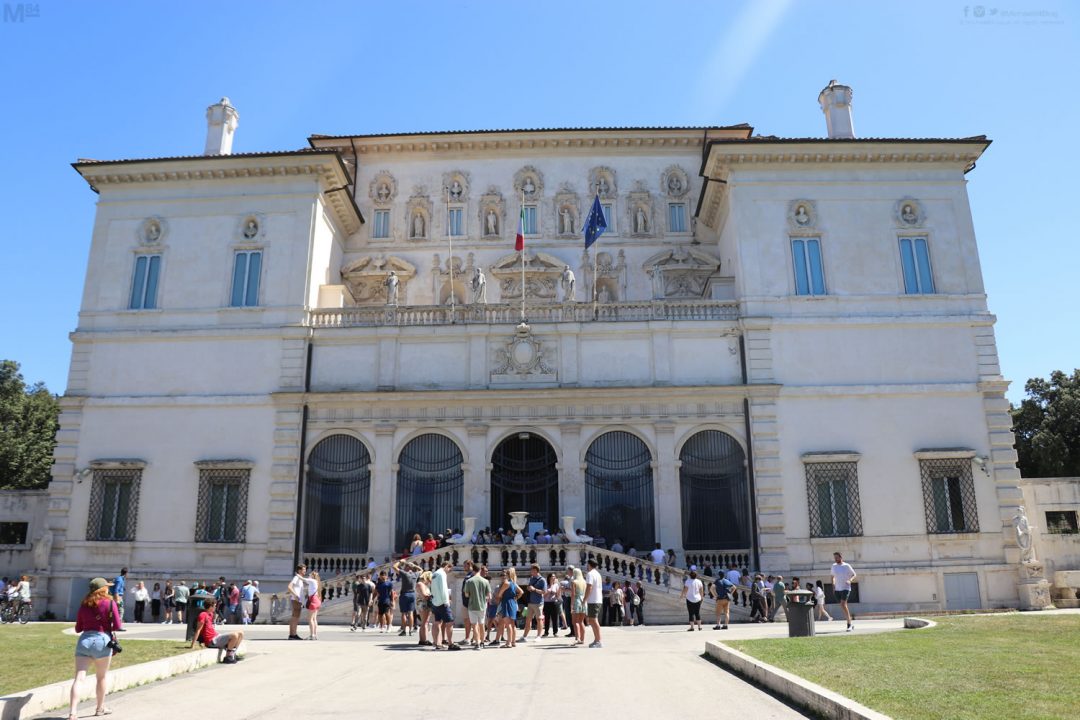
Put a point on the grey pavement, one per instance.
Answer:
(644, 672)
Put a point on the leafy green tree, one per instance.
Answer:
(1047, 426)
(29, 418)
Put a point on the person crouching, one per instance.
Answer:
(209, 637)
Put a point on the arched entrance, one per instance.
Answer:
(715, 493)
(524, 477)
(619, 490)
(430, 487)
(336, 492)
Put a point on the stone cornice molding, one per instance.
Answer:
(836, 456)
(226, 464)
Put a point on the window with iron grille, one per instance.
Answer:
(949, 495)
(221, 516)
(13, 533)
(833, 493)
(1061, 522)
(114, 504)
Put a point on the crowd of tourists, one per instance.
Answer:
(237, 602)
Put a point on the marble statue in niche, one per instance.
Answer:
(479, 286)
(568, 282)
(391, 284)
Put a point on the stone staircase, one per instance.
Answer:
(662, 583)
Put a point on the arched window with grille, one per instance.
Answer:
(430, 487)
(336, 494)
(715, 493)
(619, 489)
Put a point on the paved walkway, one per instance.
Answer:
(646, 672)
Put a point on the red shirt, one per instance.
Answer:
(104, 617)
(208, 631)
(430, 545)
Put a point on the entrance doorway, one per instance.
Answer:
(524, 477)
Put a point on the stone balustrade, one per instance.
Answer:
(719, 559)
(502, 314)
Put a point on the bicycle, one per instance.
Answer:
(13, 611)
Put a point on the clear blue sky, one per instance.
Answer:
(111, 80)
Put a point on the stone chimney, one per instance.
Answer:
(221, 122)
(835, 101)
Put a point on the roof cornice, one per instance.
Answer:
(326, 166)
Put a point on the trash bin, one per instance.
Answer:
(800, 613)
(196, 604)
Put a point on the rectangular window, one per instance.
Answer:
(915, 258)
(530, 220)
(456, 226)
(676, 217)
(114, 504)
(221, 515)
(144, 284)
(246, 270)
(1061, 522)
(833, 493)
(949, 496)
(609, 216)
(809, 275)
(13, 533)
(382, 224)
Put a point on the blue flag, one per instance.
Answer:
(595, 223)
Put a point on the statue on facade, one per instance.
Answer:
(492, 222)
(1023, 535)
(418, 225)
(801, 216)
(383, 192)
(251, 228)
(153, 231)
(568, 281)
(479, 286)
(674, 184)
(908, 215)
(391, 284)
(602, 187)
(604, 296)
(455, 190)
(528, 187)
(567, 221)
(42, 550)
(641, 223)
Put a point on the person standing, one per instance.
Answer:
(440, 604)
(594, 601)
(693, 592)
(639, 603)
(779, 590)
(155, 603)
(537, 586)
(119, 586)
(819, 601)
(314, 602)
(254, 601)
(181, 600)
(168, 601)
(247, 601)
(552, 595)
(408, 573)
(617, 601)
(98, 617)
(508, 595)
(842, 576)
(141, 597)
(384, 593)
(297, 591)
(722, 590)
(567, 593)
(469, 572)
(477, 592)
(361, 602)
(578, 606)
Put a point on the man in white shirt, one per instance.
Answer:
(594, 601)
(440, 605)
(657, 555)
(298, 595)
(842, 577)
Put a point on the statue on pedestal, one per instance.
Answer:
(568, 281)
(391, 284)
(479, 286)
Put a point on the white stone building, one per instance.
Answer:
(786, 351)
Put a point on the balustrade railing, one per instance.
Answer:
(719, 559)
(500, 314)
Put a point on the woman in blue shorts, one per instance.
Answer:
(508, 595)
(97, 619)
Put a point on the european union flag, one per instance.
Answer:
(595, 223)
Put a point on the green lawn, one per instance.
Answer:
(39, 653)
(998, 667)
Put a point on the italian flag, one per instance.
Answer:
(519, 241)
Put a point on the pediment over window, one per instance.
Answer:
(366, 276)
(681, 272)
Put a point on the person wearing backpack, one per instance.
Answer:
(722, 589)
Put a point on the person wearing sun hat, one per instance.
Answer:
(98, 618)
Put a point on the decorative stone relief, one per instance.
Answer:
(610, 276)
(908, 212)
(492, 213)
(543, 273)
(383, 188)
(602, 180)
(251, 227)
(681, 273)
(640, 211)
(675, 182)
(802, 215)
(152, 230)
(567, 212)
(418, 214)
(462, 278)
(524, 358)
(530, 182)
(457, 186)
(366, 277)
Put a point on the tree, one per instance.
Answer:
(29, 417)
(1047, 426)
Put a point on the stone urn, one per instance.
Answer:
(518, 521)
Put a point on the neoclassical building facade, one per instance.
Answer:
(778, 349)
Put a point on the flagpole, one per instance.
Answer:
(523, 256)
(594, 288)
(450, 240)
